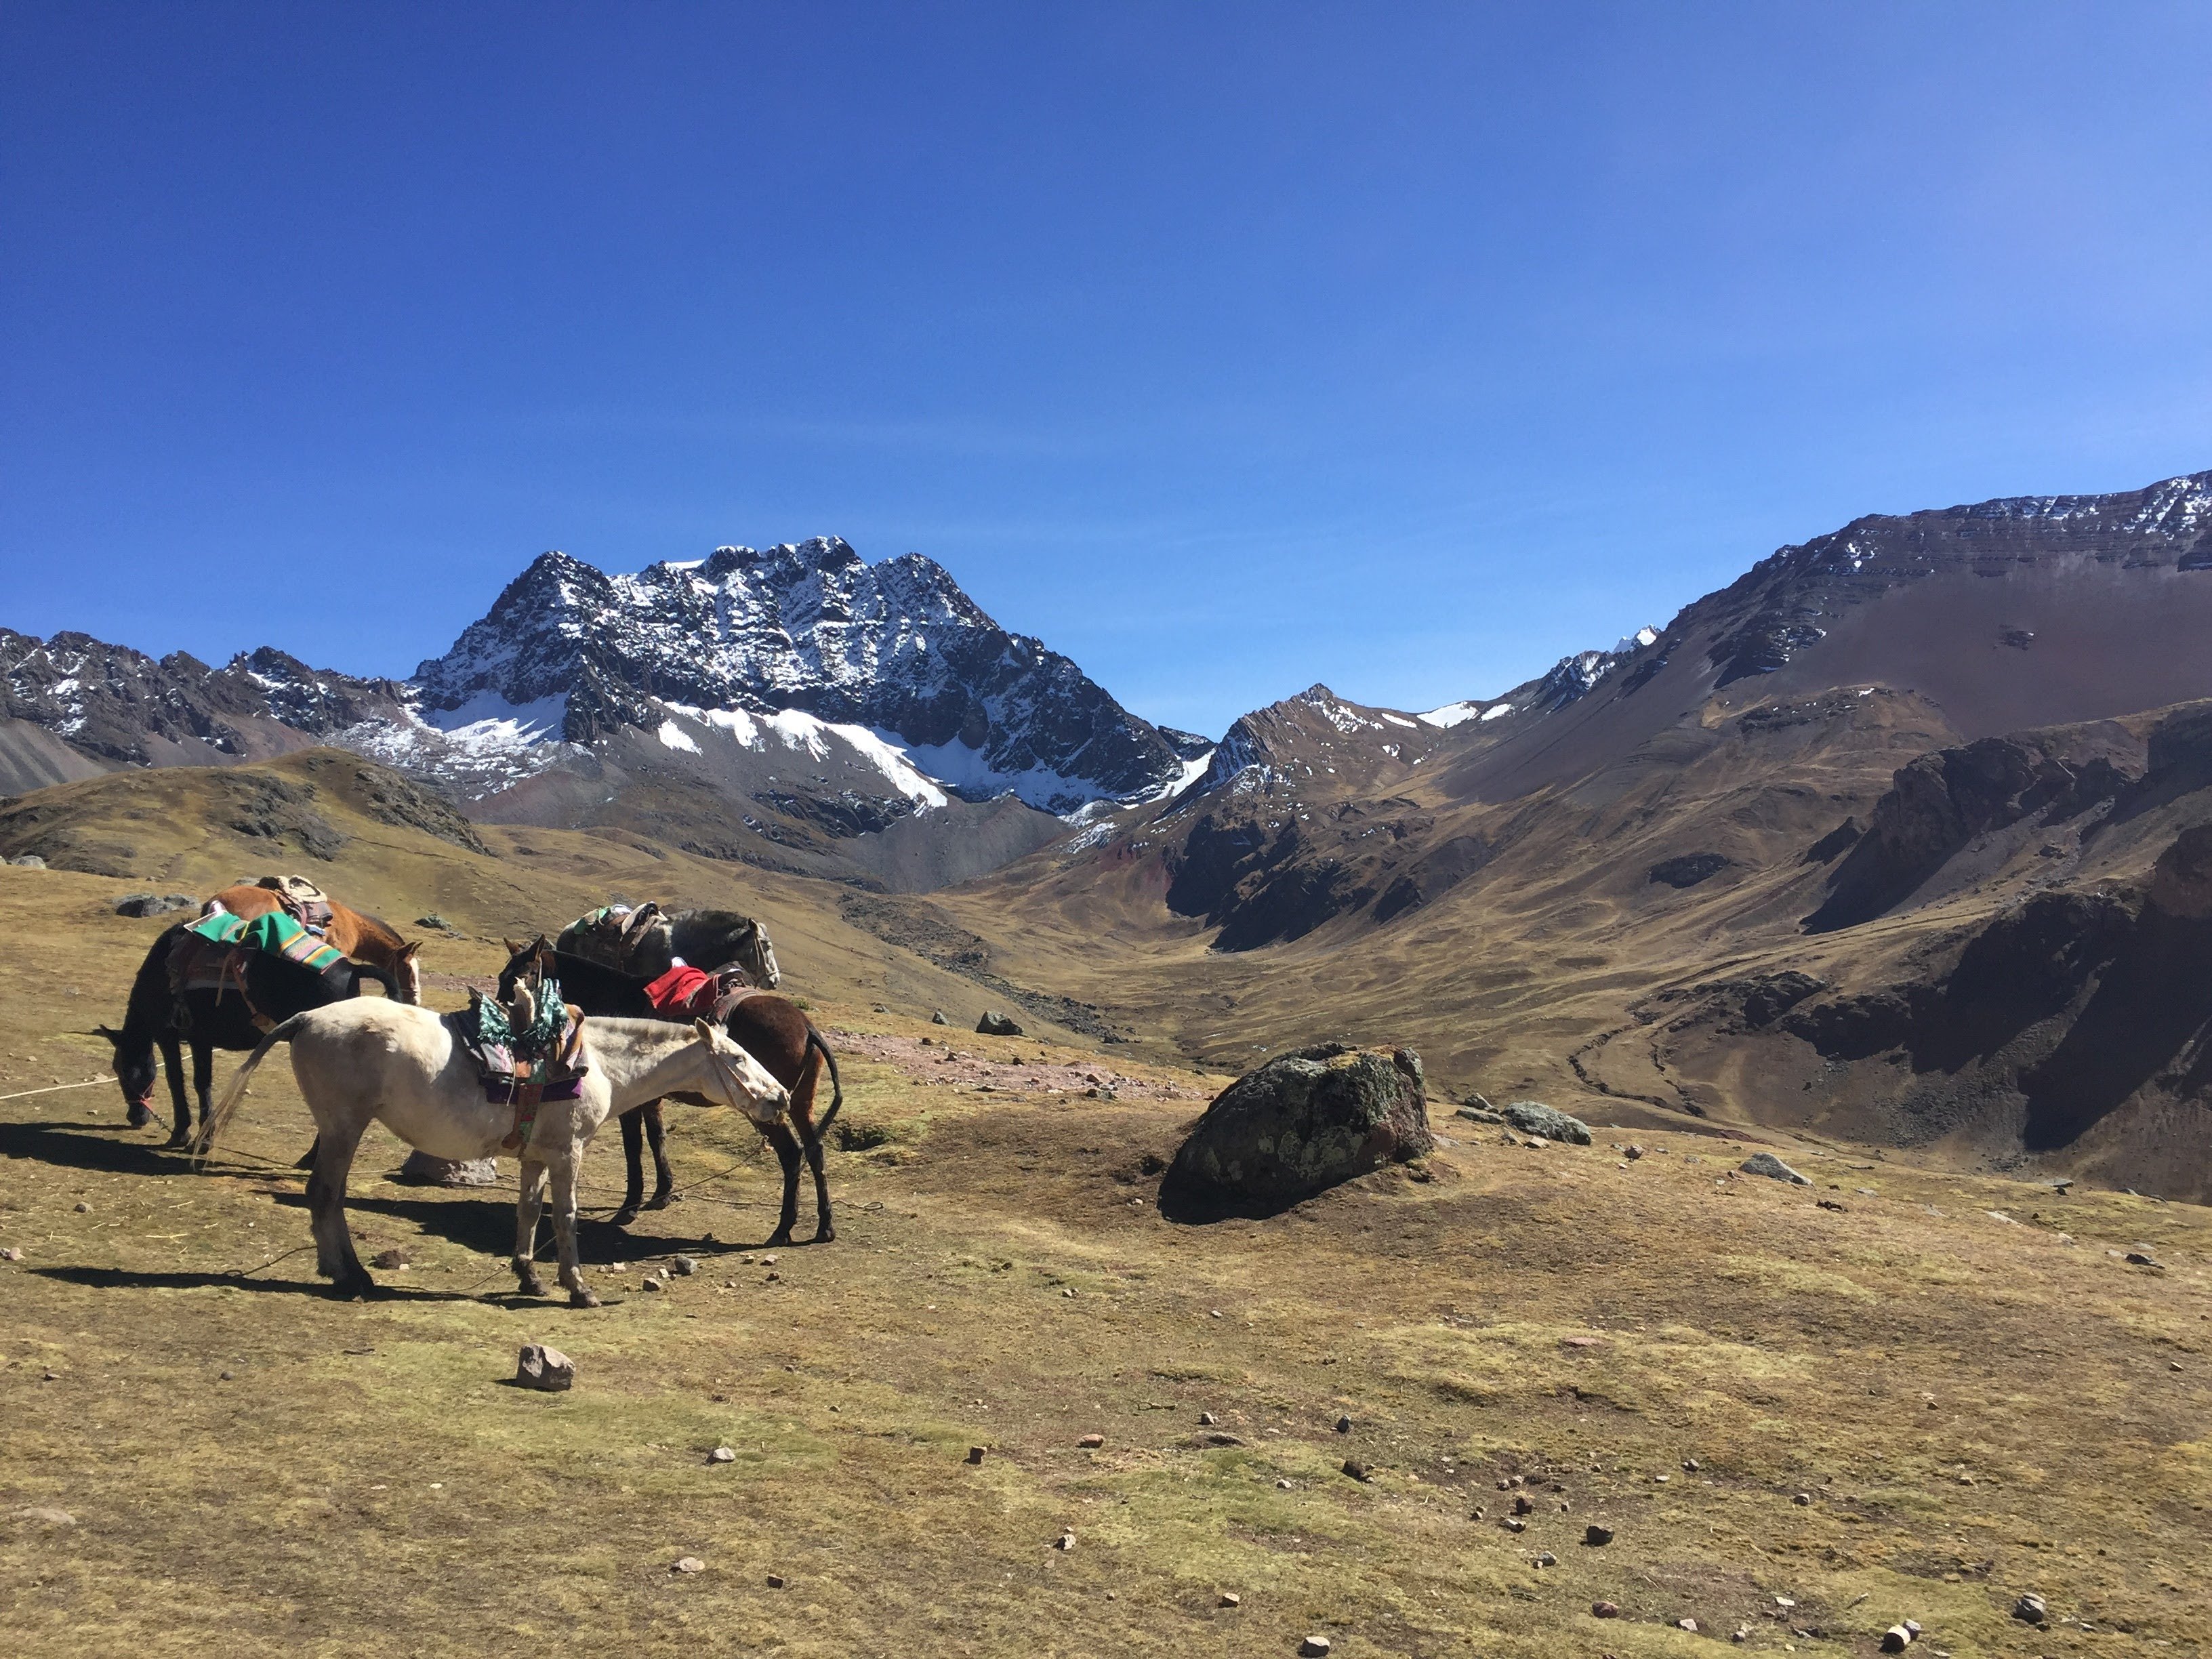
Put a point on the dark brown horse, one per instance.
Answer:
(267, 989)
(360, 935)
(772, 1029)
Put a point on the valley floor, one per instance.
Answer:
(1805, 1422)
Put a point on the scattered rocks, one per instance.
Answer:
(1896, 1639)
(687, 1564)
(1091, 1441)
(994, 1023)
(1314, 1647)
(2030, 1609)
(420, 1170)
(395, 1257)
(1766, 1163)
(46, 1517)
(1523, 1505)
(685, 1266)
(1206, 1419)
(1546, 1559)
(1514, 1523)
(1358, 1470)
(939, 1018)
(2135, 1258)
(545, 1369)
(155, 904)
(721, 1455)
(976, 1454)
(1344, 1425)
(1479, 1114)
(1691, 1466)
(1595, 1537)
(431, 919)
(1689, 1625)
(1065, 1543)
(1633, 1152)
(1532, 1117)
(1605, 1610)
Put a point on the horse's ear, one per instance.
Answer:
(706, 1032)
(513, 949)
(113, 1036)
(407, 952)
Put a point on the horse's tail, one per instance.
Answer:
(836, 1089)
(227, 1107)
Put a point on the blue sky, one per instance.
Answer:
(1227, 348)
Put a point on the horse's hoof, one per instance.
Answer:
(179, 1142)
(622, 1217)
(582, 1299)
(529, 1285)
(139, 1118)
(360, 1289)
(659, 1202)
(779, 1240)
(826, 1234)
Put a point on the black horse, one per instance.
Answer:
(270, 986)
(774, 1030)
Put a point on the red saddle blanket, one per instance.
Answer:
(684, 992)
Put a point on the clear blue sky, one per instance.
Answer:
(1227, 348)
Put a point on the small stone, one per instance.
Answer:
(1065, 1543)
(1689, 1625)
(1282, 1485)
(1741, 1633)
(1802, 1498)
(721, 1455)
(224, 1376)
(1091, 1441)
(545, 1369)
(2030, 1609)
(773, 1277)
(1595, 1537)
(1232, 1599)
(1523, 1505)
(975, 1454)
(1578, 1341)
(1784, 1601)
(2135, 1258)
(86, 1209)
(688, 1563)
(46, 1517)
(1358, 1470)
(652, 1284)
(1546, 1559)
(1635, 1152)
(1314, 1647)
(420, 1170)
(1605, 1610)
(768, 1261)
(11, 1254)
(1896, 1639)
(939, 1018)
(1207, 1419)
(1766, 1163)
(775, 1581)
(1514, 1523)
(1344, 1425)
(389, 1259)
(1691, 1466)
(685, 1266)
(1831, 1204)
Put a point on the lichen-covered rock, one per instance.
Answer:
(1302, 1122)
(1532, 1117)
(1766, 1163)
(994, 1023)
(420, 1170)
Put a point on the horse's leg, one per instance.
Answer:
(326, 1192)
(203, 1078)
(633, 1132)
(809, 1137)
(656, 1136)
(563, 1169)
(527, 1209)
(172, 1062)
(307, 1159)
(787, 1154)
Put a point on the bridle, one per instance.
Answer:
(734, 1093)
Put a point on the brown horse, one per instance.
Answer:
(774, 1030)
(358, 934)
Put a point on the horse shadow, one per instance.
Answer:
(89, 1146)
(124, 1278)
(487, 1225)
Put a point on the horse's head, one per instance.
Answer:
(408, 971)
(534, 961)
(756, 953)
(740, 1080)
(136, 1071)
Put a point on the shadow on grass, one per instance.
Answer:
(113, 1148)
(123, 1279)
(485, 1223)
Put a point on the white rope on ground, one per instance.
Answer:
(56, 1088)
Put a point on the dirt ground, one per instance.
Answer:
(1907, 1408)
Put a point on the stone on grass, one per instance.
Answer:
(939, 1018)
(420, 1170)
(1358, 1470)
(1596, 1536)
(1065, 1541)
(1605, 1610)
(1091, 1441)
(1532, 1117)
(1314, 1647)
(2030, 1609)
(994, 1023)
(1689, 1625)
(11, 1254)
(28, 862)
(1207, 1419)
(1344, 1425)
(1635, 1152)
(1232, 1599)
(46, 1517)
(685, 1266)
(543, 1368)
(1297, 1125)
(775, 1581)
(976, 1454)
(687, 1564)
(155, 904)
(1896, 1639)
(395, 1257)
(1766, 1163)
(721, 1455)
(1479, 1114)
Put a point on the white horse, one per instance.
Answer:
(372, 1059)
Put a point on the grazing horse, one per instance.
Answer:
(362, 936)
(774, 1030)
(268, 986)
(377, 1061)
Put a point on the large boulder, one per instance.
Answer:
(1532, 1117)
(1300, 1123)
(420, 1170)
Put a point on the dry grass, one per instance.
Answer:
(363, 1481)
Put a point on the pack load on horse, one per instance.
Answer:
(221, 982)
(359, 934)
(646, 941)
(772, 1028)
(532, 1079)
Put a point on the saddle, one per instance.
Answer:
(523, 1064)
(688, 993)
(638, 942)
(212, 953)
(300, 898)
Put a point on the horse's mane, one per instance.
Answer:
(150, 998)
